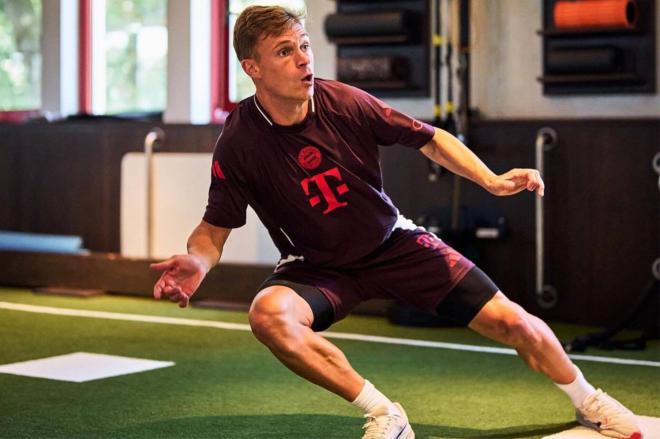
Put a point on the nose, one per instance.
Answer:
(304, 58)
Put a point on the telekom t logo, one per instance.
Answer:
(321, 181)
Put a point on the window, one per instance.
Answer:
(129, 67)
(20, 55)
(240, 85)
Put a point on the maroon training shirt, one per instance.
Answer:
(316, 185)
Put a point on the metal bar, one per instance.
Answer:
(546, 139)
(153, 139)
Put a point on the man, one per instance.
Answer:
(303, 152)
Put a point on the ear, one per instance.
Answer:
(251, 68)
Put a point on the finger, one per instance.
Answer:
(176, 294)
(536, 183)
(170, 285)
(540, 191)
(169, 290)
(158, 289)
(164, 265)
(185, 299)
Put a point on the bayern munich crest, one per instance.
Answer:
(309, 157)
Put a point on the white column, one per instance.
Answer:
(325, 52)
(188, 62)
(59, 51)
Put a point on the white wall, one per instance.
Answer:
(507, 59)
(325, 58)
(180, 188)
(325, 53)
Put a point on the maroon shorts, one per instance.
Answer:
(413, 267)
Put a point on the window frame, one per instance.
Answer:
(86, 59)
(220, 102)
(84, 56)
(221, 105)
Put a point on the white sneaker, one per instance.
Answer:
(384, 425)
(608, 416)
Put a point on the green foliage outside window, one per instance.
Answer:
(136, 55)
(20, 55)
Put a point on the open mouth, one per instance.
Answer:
(308, 78)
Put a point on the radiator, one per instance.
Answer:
(180, 183)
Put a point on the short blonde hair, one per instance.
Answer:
(258, 22)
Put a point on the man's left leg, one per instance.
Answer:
(417, 268)
(507, 322)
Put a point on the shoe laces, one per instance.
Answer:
(377, 427)
(603, 404)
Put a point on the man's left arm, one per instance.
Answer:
(450, 153)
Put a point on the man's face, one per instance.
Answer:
(284, 65)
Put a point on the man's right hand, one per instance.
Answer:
(180, 279)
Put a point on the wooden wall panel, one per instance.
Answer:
(9, 170)
(603, 216)
(405, 174)
(602, 201)
(602, 222)
(64, 178)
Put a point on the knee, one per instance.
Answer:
(267, 315)
(272, 322)
(520, 331)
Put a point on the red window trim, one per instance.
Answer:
(18, 116)
(85, 56)
(220, 103)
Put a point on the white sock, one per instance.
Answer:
(370, 398)
(578, 390)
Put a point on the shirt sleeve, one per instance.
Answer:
(227, 201)
(390, 126)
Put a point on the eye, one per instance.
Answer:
(284, 52)
(305, 47)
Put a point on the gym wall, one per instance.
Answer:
(602, 205)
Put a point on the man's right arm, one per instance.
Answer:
(206, 243)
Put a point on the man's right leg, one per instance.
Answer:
(282, 320)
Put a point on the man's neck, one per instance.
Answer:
(283, 111)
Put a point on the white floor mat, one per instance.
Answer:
(650, 430)
(79, 367)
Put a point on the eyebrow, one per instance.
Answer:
(305, 35)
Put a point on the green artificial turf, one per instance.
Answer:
(227, 385)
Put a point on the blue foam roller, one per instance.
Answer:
(37, 242)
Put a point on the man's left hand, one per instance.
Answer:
(517, 180)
